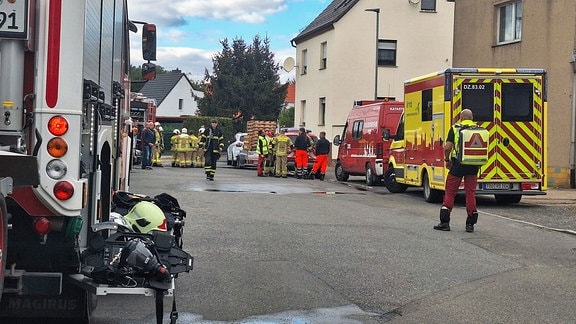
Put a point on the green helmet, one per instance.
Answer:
(145, 217)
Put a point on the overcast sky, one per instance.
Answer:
(189, 31)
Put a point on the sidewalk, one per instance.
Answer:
(554, 196)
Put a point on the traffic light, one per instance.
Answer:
(149, 42)
(148, 71)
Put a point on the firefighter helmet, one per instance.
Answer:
(145, 217)
(176, 131)
(184, 131)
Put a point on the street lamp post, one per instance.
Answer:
(377, 11)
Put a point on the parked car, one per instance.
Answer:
(291, 164)
(234, 149)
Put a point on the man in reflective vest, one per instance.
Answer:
(322, 151)
(262, 151)
(302, 144)
(458, 172)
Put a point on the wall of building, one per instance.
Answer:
(424, 44)
(548, 41)
(170, 104)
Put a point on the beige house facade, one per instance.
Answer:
(336, 58)
(528, 34)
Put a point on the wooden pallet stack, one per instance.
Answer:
(252, 128)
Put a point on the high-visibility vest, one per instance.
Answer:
(262, 147)
(471, 143)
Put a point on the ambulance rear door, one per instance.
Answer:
(511, 108)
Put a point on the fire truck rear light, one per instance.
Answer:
(530, 186)
(63, 190)
(58, 125)
(41, 226)
(56, 169)
(57, 147)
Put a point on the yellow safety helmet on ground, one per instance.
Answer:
(145, 217)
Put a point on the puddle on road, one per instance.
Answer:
(350, 314)
(261, 188)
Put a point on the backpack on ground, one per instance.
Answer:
(472, 146)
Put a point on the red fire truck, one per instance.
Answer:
(64, 101)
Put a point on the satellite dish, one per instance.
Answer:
(288, 64)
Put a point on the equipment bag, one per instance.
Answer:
(472, 147)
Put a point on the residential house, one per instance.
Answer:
(174, 96)
(290, 100)
(528, 34)
(357, 50)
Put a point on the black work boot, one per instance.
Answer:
(322, 176)
(311, 175)
(470, 221)
(444, 220)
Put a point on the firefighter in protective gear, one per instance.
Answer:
(183, 150)
(173, 145)
(145, 217)
(282, 145)
(158, 145)
(262, 151)
(194, 143)
(200, 160)
(211, 141)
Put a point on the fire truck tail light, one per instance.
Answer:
(41, 226)
(57, 147)
(63, 190)
(56, 169)
(58, 125)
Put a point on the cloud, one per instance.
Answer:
(171, 16)
(172, 13)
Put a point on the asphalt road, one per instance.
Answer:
(273, 250)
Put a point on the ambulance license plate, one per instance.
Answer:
(497, 186)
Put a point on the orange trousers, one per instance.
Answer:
(321, 163)
(301, 159)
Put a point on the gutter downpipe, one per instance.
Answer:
(573, 126)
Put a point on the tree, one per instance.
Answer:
(286, 118)
(244, 83)
(136, 72)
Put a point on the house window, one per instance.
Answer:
(386, 52)
(323, 55)
(322, 112)
(428, 5)
(180, 104)
(302, 122)
(510, 22)
(304, 68)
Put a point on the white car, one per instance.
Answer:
(234, 149)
